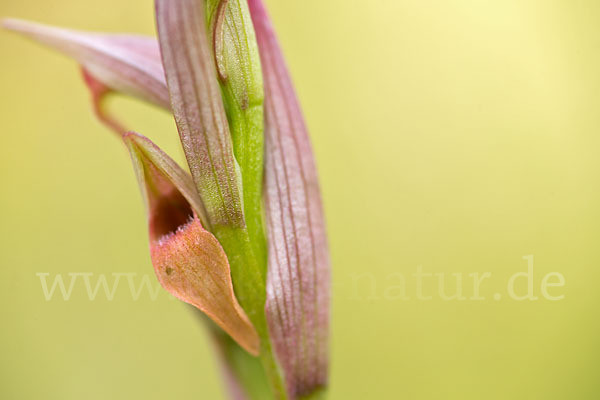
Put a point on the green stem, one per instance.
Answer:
(248, 274)
(240, 78)
(273, 371)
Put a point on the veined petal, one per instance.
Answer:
(298, 277)
(125, 63)
(198, 108)
(188, 260)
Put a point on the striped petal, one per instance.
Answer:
(198, 109)
(125, 63)
(298, 278)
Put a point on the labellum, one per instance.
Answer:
(188, 260)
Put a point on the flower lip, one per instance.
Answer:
(188, 260)
(191, 265)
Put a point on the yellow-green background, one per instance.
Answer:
(456, 135)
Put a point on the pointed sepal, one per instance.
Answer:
(297, 306)
(130, 64)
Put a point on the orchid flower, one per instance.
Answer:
(241, 236)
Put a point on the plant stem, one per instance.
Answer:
(248, 272)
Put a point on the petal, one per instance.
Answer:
(298, 278)
(125, 63)
(188, 260)
(198, 109)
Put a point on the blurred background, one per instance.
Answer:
(452, 137)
